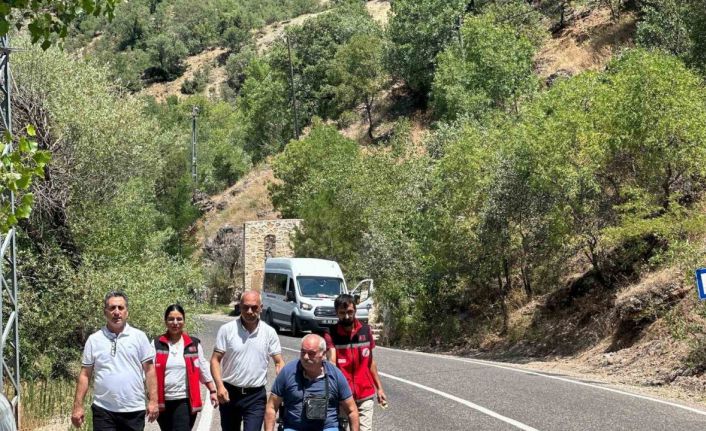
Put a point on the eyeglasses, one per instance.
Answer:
(254, 308)
(310, 353)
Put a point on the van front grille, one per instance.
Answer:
(325, 312)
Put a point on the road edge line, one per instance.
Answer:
(206, 416)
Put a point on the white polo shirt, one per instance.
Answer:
(246, 354)
(119, 383)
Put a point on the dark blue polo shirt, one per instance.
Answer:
(291, 386)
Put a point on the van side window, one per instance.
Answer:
(275, 283)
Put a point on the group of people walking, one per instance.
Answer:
(137, 380)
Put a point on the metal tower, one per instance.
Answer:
(9, 299)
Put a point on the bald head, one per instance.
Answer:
(250, 307)
(313, 342)
(250, 296)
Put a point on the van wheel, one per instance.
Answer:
(270, 320)
(296, 330)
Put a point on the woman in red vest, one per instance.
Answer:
(180, 366)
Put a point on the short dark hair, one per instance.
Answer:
(174, 307)
(115, 294)
(343, 301)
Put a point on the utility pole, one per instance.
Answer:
(9, 317)
(292, 92)
(194, 114)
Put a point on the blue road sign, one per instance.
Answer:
(701, 283)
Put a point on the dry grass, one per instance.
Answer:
(266, 36)
(658, 362)
(587, 44)
(379, 10)
(247, 200)
(162, 90)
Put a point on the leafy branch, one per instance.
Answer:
(19, 166)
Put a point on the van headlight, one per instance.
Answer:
(305, 306)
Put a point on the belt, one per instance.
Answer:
(241, 390)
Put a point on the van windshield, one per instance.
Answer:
(320, 287)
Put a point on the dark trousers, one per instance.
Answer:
(104, 420)
(248, 408)
(176, 416)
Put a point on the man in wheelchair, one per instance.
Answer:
(312, 390)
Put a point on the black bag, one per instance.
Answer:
(316, 406)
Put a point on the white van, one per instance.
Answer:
(298, 294)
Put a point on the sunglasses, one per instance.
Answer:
(310, 353)
(254, 308)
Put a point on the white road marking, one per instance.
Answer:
(206, 416)
(548, 376)
(466, 403)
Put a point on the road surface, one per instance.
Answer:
(438, 392)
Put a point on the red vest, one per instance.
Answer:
(191, 357)
(354, 353)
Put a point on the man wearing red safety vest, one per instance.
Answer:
(350, 346)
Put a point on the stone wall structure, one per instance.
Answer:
(263, 239)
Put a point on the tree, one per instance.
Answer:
(357, 74)
(313, 46)
(308, 164)
(265, 106)
(418, 30)
(493, 68)
(678, 27)
(167, 52)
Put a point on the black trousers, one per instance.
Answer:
(176, 416)
(248, 408)
(105, 420)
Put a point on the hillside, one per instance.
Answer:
(599, 332)
(214, 58)
(587, 44)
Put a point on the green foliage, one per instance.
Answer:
(236, 66)
(149, 40)
(106, 219)
(490, 67)
(265, 108)
(314, 45)
(20, 164)
(600, 165)
(306, 166)
(167, 53)
(418, 30)
(678, 27)
(357, 74)
(221, 157)
(197, 83)
(49, 20)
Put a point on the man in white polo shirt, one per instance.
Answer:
(119, 355)
(239, 365)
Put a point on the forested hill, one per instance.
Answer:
(517, 176)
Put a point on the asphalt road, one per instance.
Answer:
(436, 392)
